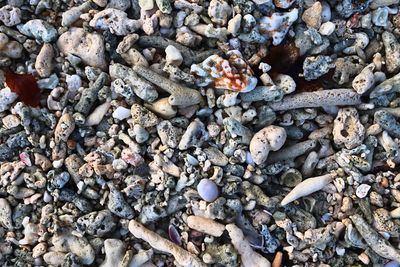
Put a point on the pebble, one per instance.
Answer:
(48, 83)
(44, 61)
(164, 6)
(141, 134)
(286, 83)
(269, 138)
(97, 223)
(315, 67)
(216, 156)
(194, 135)
(143, 116)
(326, 11)
(313, 16)
(327, 28)
(168, 134)
(88, 46)
(362, 190)
(173, 55)
(5, 214)
(54, 258)
(364, 81)
(116, 21)
(12, 49)
(392, 52)
(281, 3)
(3, 40)
(219, 12)
(347, 128)
(207, 190)
(72, 15)
(57, 181)
(98, 114)
(10, 15)
(80, 246)
(6, 98)
(121, 113)
(234, 25)
(115, 252)
(146, 4)
(40, 30)
(118, 205)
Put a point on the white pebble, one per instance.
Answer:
(74, 82)
(173, 55)
(6, 98)
(327, 28)
(10, 15)
(362, 190)
(121, 113)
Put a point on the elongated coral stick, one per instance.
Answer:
(378, 244)
(307, 187)
(334, 97)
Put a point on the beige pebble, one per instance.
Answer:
(44, 64)
(88, 46)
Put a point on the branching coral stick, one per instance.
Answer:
(377, 243)
(334, 97)
(180, 95)
(307, 187)
(182, 256)
(249, 257)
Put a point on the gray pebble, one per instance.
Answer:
(57, 181)
(117, 204)
(235, 128)
(315, 67)
(392, 52)
(89, 95)
(216, 156)
(194, 136)
(168, 134)
(97, 223)
(40, 30)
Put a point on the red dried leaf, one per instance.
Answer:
(25, 86)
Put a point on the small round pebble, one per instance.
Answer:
(207, 190)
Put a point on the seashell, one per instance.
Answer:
(174, 235)
(362, 190)
(232, 74)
